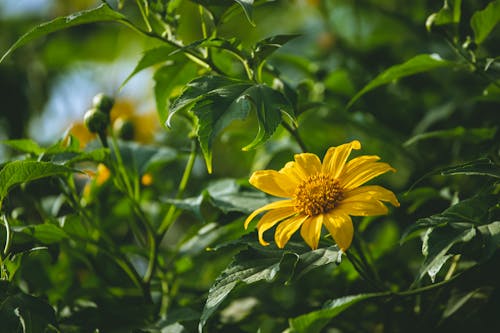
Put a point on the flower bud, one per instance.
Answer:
(124, 129)
(103, 102)
(96, 121)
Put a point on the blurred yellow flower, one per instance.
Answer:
(147, 179)
(141, 126)
(318, 194)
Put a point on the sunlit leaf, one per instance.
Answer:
(24, 145)
(266, 47)
(98, 14)
(418, 64)
(313, 322)
(483, 21)
(149, 58)
(18, 172)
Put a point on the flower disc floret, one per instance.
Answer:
(317, 195)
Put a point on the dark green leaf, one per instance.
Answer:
(45, 233)
(226, 195)
(474, 135)
(490, 236)
(481, 167)
(247, 6)
(18, 172)
(268, 46)
(418, 64)
(314, 259)
(20, 310)
(149, 58)
(313, 322)
(448, 14)
(483, 21)
(248, 267)
(436, 244)
(98, 14)
(24, 145)
(192, 205)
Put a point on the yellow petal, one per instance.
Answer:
(274, 183)
(272, 205)
(287, 228)
(311, 230)
(369, 193)
(270, 219)
(362, 208)
(335, 158)
(363, 172)
(292, 170)
(310, 164)
(340, 227)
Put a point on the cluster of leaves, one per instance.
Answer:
(82, 254)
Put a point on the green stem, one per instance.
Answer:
(144, 15)
(361, 271)
(294, 132)
(367, 265)
(171, 214)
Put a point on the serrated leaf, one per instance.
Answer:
(149, 58)
(418, 64)
(98, 14)
(217, 101)
(24, 145)
(474, 135)
(483, 21)
(18, 172)
(20, 310)
(480, 167)
(314, 322)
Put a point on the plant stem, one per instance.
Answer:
(294, 132)
(361, 271)
(144, 15)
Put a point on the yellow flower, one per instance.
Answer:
(318, 194)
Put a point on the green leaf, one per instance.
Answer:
(174, 74)
(480, 167)
(314, 322)
(217, 101)
(266, 47)
(20, 310)
(149, 58)
(45, 233)
(18, 172)
(483, 21)
(24, 145)
(247, 6)
(139, 158)
(98, 14)
(248, 267)
(227, 195)
(474, 135)
(448, 14)
(490, 236)
(436, 244)
(418, 64)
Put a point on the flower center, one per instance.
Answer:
(317, 195)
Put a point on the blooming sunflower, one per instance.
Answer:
(318, 194)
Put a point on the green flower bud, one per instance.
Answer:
(96, 121)
(124, 129)
(103, 102)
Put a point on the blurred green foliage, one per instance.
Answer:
(144, 233)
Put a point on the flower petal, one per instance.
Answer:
(311, 230)
(272, 205)
(274, 183)
(270, 219)
(340, 227)
(363, 172)
(287, 228)
(369, 193)
(335, 158)
(309, 164)
(362, 208)
(292, 170)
